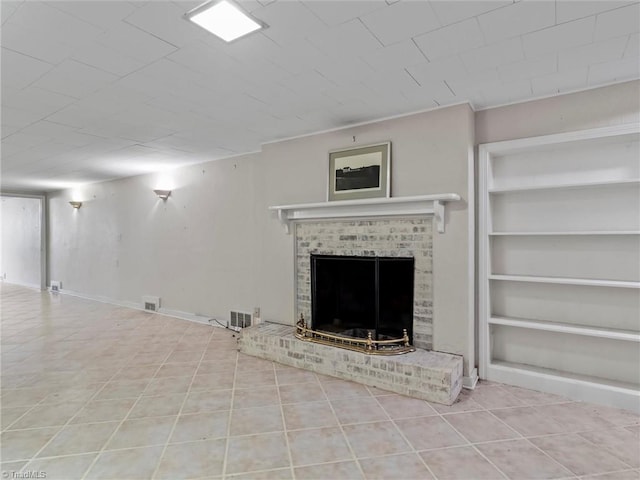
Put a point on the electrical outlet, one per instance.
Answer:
(56, 285)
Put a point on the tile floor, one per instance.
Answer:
(93, 391)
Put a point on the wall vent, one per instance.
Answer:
(55, 285)
(239, 319)
(151, 303)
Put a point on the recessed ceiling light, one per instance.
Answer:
(224, 19)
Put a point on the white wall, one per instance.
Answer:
(214, 246)
(20, 254)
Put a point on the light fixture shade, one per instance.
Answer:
(224, 19)
(163, 194)
(75, 205)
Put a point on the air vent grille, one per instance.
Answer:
(239, 319)
(151, 303)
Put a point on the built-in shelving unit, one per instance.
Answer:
(559, 264)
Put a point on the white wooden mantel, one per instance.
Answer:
(368, 208)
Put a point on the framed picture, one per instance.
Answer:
(362, 172)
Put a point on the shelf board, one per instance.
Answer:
(559, 234)
(571, 329)
(566, 281)
(608, 384)
(630, 181)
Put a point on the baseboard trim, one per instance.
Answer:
(469, 382)
(167, 312)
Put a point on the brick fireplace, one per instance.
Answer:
(392, 237)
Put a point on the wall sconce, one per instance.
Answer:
(163, 194)
(75, 205)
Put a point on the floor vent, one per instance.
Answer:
(239, 319)
(55, 286)
(151, 304)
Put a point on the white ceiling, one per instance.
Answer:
(95, 90)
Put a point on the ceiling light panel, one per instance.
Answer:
(224, 19)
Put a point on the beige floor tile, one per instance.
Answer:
(256, 379)
(10, 415)
(493, 396)
(122, 389)
(277, 474)
(81, 438)
(249, 363)
(22, 397)
(612, 415)
(521, 460)
(529, 421)
(141, 432)
(47, 416)
(201, 426)
(182, 356)
(623, 475)
(619, 442)
(459, 463)
(65, 395)
(219, 367)
(159, 406)
(429, 432)
(318, 445)
(136, 463)
(294, 376)
(365, 409)
(11, 468)
(177, 370)
(340, 470)
(579, 455)
(532, 397)
(257, 452)
(167, 386)
(301, 392)
(464, 403)
(480, 427)
(249, 421)
(341, 388)
(213, 381)
(24, 444)
(70, 467)
(192, 460)
(255, 397)
(207, 401)
(407, 466)
(135, 372)
(104, 410)
(399, 406)
(574, 417)
(308, 415)
(372, 439)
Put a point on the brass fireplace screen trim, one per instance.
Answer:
(366, 345)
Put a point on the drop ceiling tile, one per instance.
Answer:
(296, 58)
(567, 10)
(398, 55)
(529, 68)
(597, 52)
(426, 94)
(7, 9)
(513, 20)
(19, 71)
(442, 69)
(75, 116)
(615, 23)
(160, 19)
(473, 82)
(504, 93)
(134, 43)
(289, 21)
(74, 79)
(633, 46)
(53, 24)
(21, 141)
(617, 71)
(351, 38)
(343, 71)
(201, 57)
(37, 100)
(560, 82)
(29, 42)
(18, 118)
(100, 13)
(451, 39)
(391, 80)
(493, 55)
(450, 12)
(103, 58)
(567, 35)
(329, 14)
(401, 21)
(310, 81)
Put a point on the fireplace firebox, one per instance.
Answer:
(353, 296)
